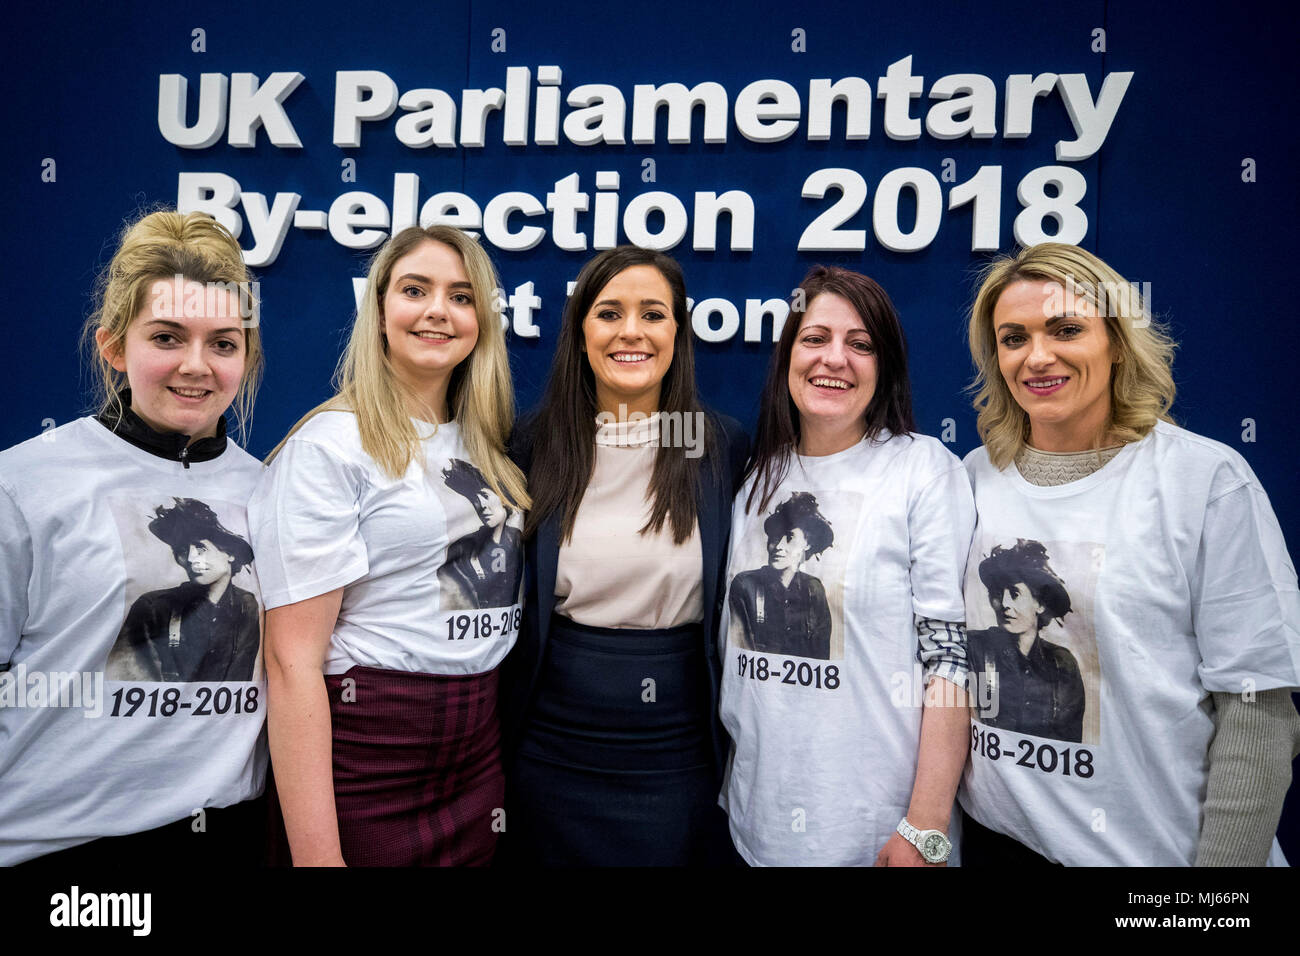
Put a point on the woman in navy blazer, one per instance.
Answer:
(614, 750)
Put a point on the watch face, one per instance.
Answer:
(935, 847)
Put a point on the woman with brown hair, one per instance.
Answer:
(844, 661)
(617, 752)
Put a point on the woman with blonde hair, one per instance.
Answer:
(171, 772)
(1183, 611)
(382, 675)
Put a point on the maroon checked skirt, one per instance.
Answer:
(417, 767)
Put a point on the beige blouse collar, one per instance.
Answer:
(636, 433)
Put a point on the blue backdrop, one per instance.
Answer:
(1171, 199)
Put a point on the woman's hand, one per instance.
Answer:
(899, 852)
(945, 725)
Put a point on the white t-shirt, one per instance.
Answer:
(1166, 578)
(821, 685)
(431, 576)
(126, 599)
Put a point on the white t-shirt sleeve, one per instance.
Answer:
(15, 574)
(1245, 604)
(941, 522)
(305, 522)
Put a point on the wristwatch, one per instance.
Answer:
(934, 847)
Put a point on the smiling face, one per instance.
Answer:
(183, 356)
(1018, 610)
(788, 552)
(628, 334)
(1056, 357)
(429, 320)
(207, 563)
(832, 370)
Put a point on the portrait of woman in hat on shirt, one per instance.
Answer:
(205, 629)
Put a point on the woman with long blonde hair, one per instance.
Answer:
(1132, 611)
(389, 521)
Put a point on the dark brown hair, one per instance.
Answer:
(778, 418)
(565, 423)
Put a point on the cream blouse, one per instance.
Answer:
(609, 575)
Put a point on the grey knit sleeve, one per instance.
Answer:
(1250, 771)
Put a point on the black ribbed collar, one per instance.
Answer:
(172, 446)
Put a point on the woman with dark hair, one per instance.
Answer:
(843, 678)
(1184, 614)
(205, 629)
(612, 689)
(1036, 684)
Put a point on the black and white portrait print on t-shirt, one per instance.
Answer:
(1032, 644)
(192, 612)
(791, 602)
(483, 566)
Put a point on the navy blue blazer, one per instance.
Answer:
(520, 671)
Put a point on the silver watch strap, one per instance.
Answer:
(913, 836)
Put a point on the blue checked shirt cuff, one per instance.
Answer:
(941, 649)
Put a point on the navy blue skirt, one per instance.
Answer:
(614, 765)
